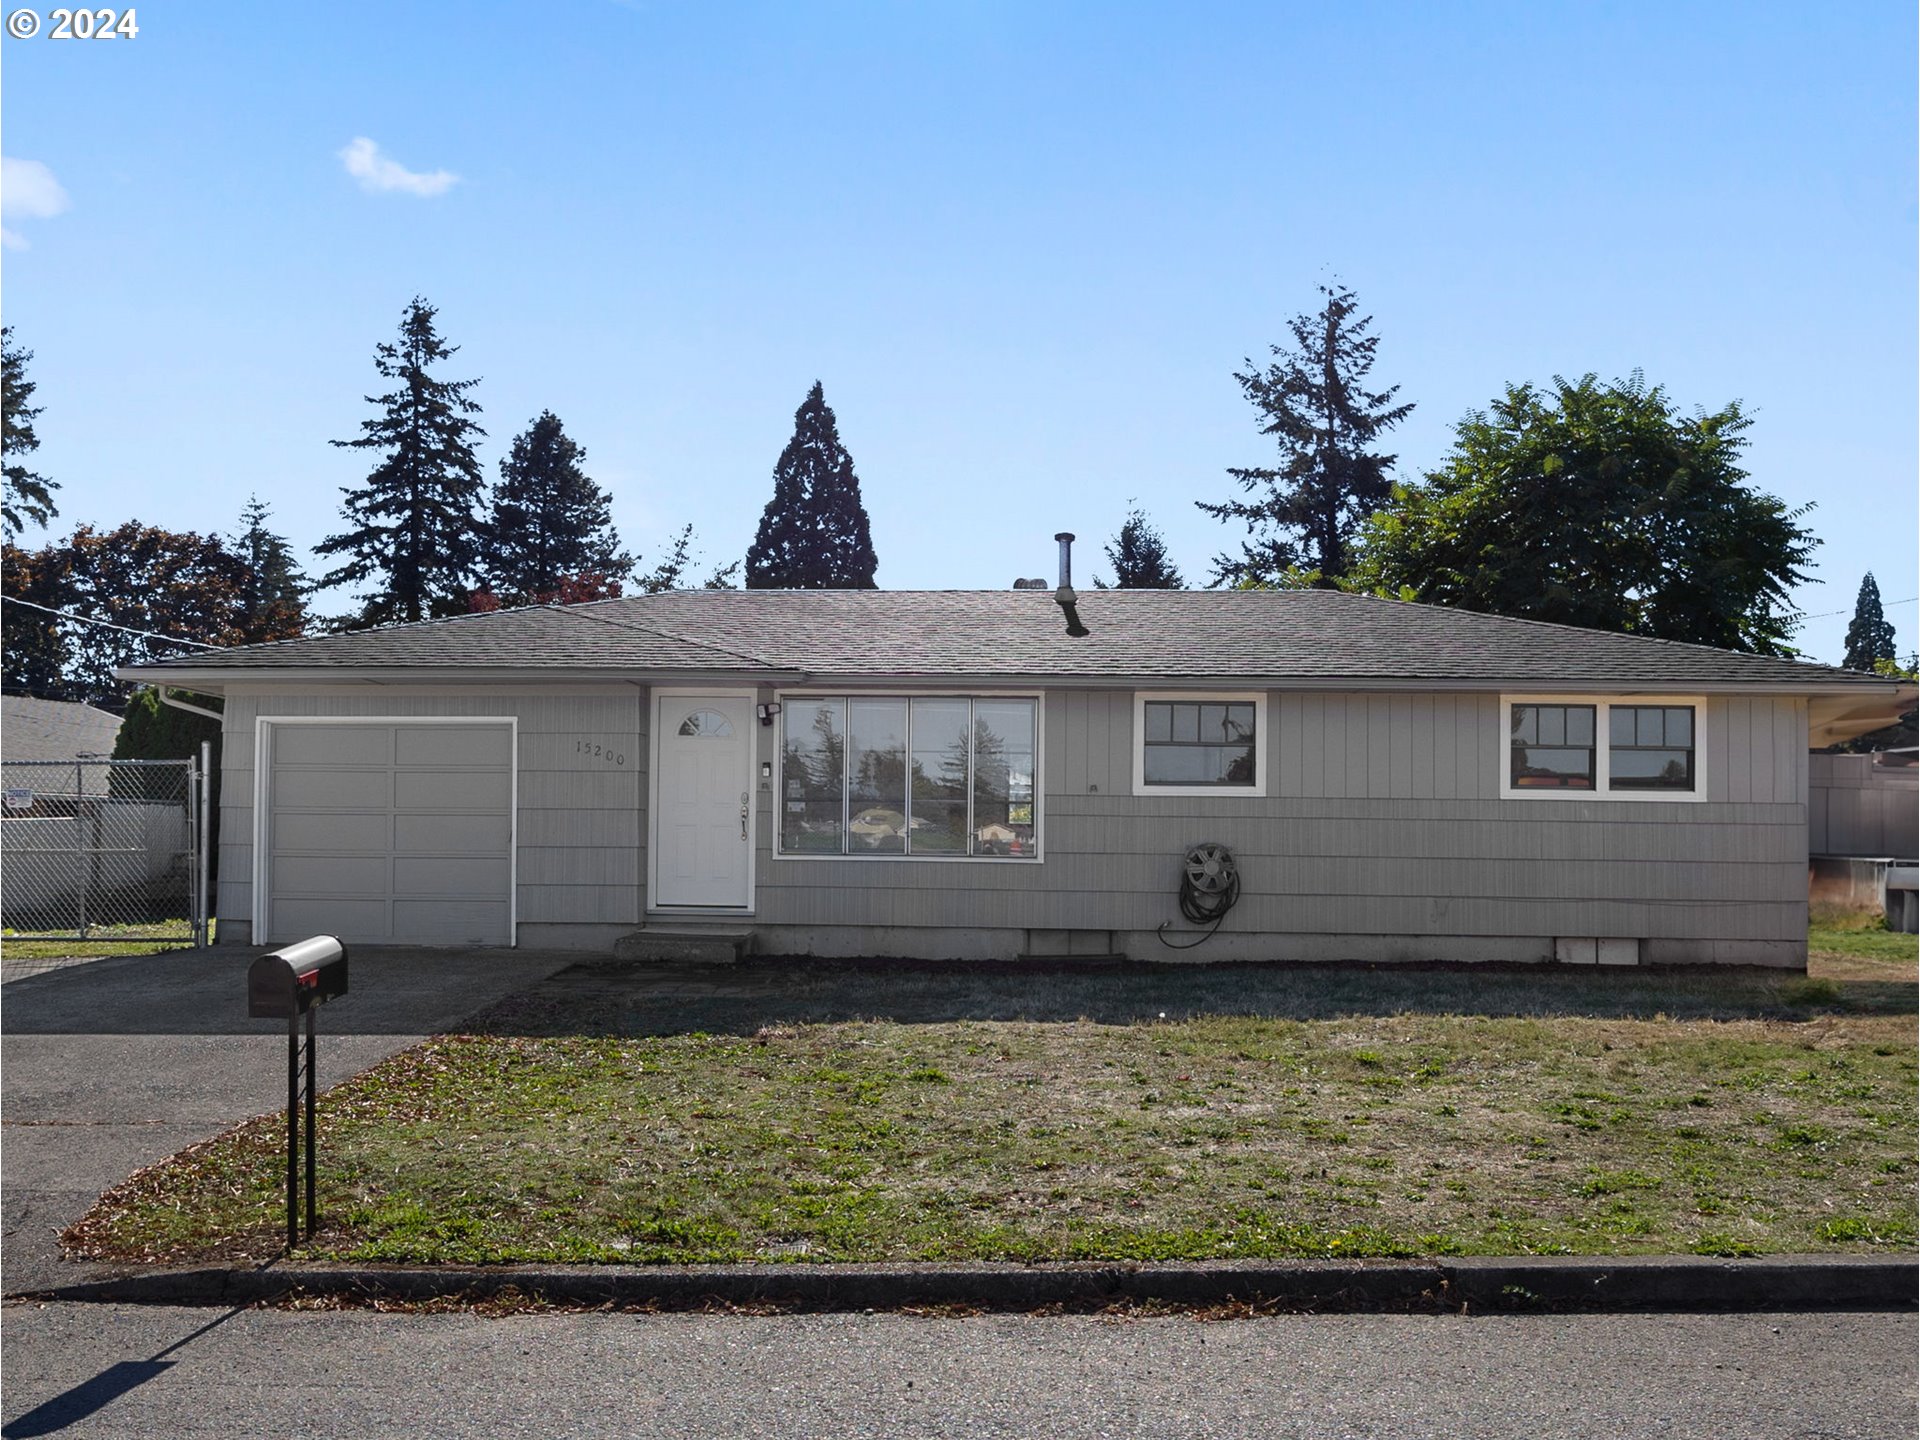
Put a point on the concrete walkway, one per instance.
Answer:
(116, 1064)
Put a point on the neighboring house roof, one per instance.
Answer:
(53, 729)
(1300, 636)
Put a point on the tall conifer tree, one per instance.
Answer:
(26, 496)
(1139, 558)
(550, 523)
(1302, 513)
(273, 598)
(415, 531)
(1869, 637)
(814, 533)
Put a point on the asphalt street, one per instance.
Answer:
(82, 1371)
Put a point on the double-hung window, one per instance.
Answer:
(952, 777)
(1651, 747)
(1631, 748)
(1199, 744)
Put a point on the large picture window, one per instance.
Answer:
(932, 776)
(1191, 744)
(1599, 746)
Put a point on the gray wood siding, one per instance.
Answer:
(581, 823)
(1383, 819)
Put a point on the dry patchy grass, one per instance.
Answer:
(1024, 1139)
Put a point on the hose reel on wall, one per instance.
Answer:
(1209, 887)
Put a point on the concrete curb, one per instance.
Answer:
(1663, 1283)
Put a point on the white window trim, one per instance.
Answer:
(1262, 743)
(686, 692)
(263, 794)
(1603, 749)
(815, 692)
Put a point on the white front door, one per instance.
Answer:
(703, 800)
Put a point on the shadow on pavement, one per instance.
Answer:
(91, 1396)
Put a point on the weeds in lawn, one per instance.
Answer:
(1205, 1137)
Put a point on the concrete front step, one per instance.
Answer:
(684, 945)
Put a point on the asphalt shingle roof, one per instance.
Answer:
(33, 729)
(1258, 634)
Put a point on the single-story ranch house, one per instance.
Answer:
(953, 774)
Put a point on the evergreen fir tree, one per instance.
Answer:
(814, 533)
(414, 528)
(1139, 558)
(273, 603)
(680, 559)
(36, 648)
(550, 523)
(27, 496)
(1303, 512)
(1869, 637)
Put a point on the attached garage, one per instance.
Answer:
(387, 831)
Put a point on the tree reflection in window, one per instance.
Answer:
(925, 775)
(706, 725)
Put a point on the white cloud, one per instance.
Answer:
(28, 191)
(378, 174)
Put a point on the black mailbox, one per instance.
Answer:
(292, 980)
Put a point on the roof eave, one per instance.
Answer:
(212, 680)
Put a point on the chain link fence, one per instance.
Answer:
(102, 849)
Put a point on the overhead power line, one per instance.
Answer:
(1829, 614)
(109, 625)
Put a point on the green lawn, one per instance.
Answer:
(1342, 1112)
(104, 940)
(1860, 938)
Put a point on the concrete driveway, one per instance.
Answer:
(116, 1064)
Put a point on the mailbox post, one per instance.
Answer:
(292, 983)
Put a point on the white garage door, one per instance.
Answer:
(395, 833)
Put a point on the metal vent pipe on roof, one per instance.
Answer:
(1064, 597)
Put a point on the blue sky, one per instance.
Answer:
(1024, 247)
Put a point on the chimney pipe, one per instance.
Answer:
(1064, 597)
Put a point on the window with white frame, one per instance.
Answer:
(951, 777)
(1199, 744)
(1639, 747)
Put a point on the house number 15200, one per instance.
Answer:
(600, 752)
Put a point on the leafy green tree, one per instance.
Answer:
(814, 533)
(1599, 506)
(1302, 513)
(1139, 558)
(273, 597)
(182, 586)
(27, 496)
(1869, 636)
(413, 530)
(150, 730)
(550, 521)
